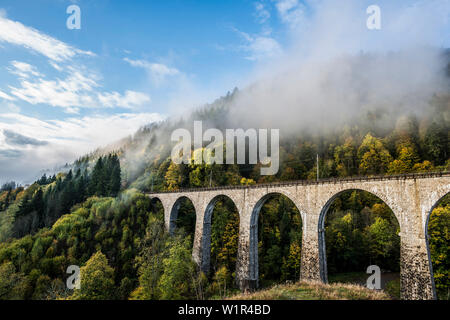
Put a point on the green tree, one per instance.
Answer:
(96, 183)
(224, 240)
(384, 244)
(439, 242)
(149, 260)
(97, 279)
(436, 143)
(115, 176)
(344, 157)
(179, 273)
(12, 285)
(173, 177)
(279, 229)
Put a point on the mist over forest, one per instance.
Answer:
(347, 104)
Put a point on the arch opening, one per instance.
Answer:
(157, 208)
(183, 218)
(275, 241)
(438, 241)
(356, 230)
(220, 245)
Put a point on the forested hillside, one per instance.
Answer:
(96, 216)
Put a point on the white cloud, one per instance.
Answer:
(291, 12)
(23, 70)
(259, 47)
(76, 87)
(6, 96)
(86, 133)
(157, 71)
(71, 110)
(261, 12)
(56, 66)
(12, 107)
(62, 140)
(70, 92)
(71, 86)
(129, 100)
(78, 90)
(16, 33)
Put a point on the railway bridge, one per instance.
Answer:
(411, 197)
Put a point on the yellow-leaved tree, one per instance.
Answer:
(373, 156)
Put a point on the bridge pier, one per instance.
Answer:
(201, 252)
(310, 263)
(247, 258)
(416, 281)
(198, 249)
(413, 205)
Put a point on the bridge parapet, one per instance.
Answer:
(405, 176)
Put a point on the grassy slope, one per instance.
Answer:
(314, 291)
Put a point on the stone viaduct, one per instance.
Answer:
(411, 197)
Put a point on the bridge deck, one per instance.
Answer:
(315, 182)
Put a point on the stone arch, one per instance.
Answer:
(321, 227)
(174, 211)
(253, 245)
(430, 263)
(382, 193)
(154, 201)
(431, 200)
(206, 233)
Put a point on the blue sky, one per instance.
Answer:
(65, 92)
